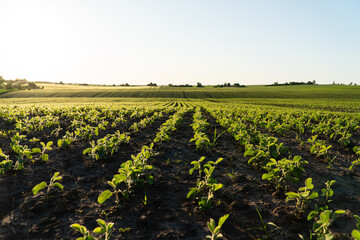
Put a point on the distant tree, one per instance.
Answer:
(152, 84)
(32, 85)
(61, 83)
(314, 82)
(199, 84)
(333, 82)
(9, 86)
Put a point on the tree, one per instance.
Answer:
(199, 84)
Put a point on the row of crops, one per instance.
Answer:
(179, 170)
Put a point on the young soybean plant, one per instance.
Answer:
(303, 196)
(264, 226)
(6, 164)
(105, 229)
(215, 230)
(322, 223)
(53, 183)
(43, 156)
(328, 192)
(207, 183)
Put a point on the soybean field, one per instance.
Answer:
(180, 169)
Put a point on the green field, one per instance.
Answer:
(313, 92)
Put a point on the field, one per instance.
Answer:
(337, 92)
(161, 167)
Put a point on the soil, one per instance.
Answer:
(167, 213)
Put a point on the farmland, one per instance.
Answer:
(337, 92)
(161, 167)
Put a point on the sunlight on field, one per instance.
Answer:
(96, 91)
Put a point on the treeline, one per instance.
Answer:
(198, 84)
(228, 85)
(181, 85)
(19, 84)
(293, 83)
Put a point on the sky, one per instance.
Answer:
(180, 41)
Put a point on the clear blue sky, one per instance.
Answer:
(180, 41)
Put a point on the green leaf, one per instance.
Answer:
(266, 176)
(45, 157)
(313, 195)
(223, 219)
(292, 195)
(211, 225)
(340, 211)
(36, 150)
(308, 183)
(219, 160)
(217, 230)
(39, 187)
(110, 225)
(78, 227)
(99, 230)
(355, 234)
(104, 196)
(218, 186)
(101, 223)
(59, 186)
(191, 192)
(60, 142)
(325, 216)
(88, 150)
(311, 215)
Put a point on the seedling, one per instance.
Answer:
(303, 196)
(22, 152)
(318, 147)
(328, 192)
(264, 226)
(322, 222)
(284, 170)
(53, 183)
(6, 164)
(126, 175)
(105, 230)
(215, 230)
(43, 156)
(208, 183)
(131, 173)
(56, 131)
